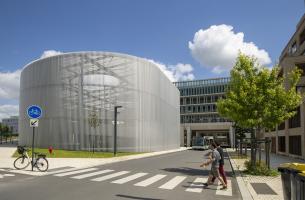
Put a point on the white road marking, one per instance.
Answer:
(75, 172)
(227, 192)
(197, 185)
(8, 174)
(150, 180)
(129, 178)
(173, 183)
(103, 178)
(92, 174)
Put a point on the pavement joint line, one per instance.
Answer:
(243, 189)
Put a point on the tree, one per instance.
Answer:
(11, 130)
(256, 97)
(5, 131)
(1, 133)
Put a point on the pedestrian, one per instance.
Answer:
(221, 163)
(214, 161)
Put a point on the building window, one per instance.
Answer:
(282, 143)
(281, 126)
(293, 48)
(295, 121)
(194, 100)
(295, 145)
(187, 100)
(208, 99)
(302, 67)
(302, 37)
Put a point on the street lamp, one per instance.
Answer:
(115, 129)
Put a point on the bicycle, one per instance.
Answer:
(40, 161)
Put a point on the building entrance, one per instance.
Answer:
(221, 136)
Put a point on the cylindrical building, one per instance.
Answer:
(77, 93)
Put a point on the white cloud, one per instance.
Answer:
(9, 84)
(217, 47)
(49, 53)
(8, 110)
(178, 72)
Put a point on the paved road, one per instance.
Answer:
(174, 176)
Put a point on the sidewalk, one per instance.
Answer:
(66, 164)
(262, 187)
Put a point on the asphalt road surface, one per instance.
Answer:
(175, 176)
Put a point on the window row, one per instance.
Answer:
(293, 122)
(212, 118)
(200, 99)
(198, 109)
(295, 146)
(203, 82)
(202, 90)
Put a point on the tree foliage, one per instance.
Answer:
(256, 96)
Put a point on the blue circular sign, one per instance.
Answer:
(34, 111)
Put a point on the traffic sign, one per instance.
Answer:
(34, 112)
(34, 122)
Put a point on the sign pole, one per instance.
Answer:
(33, 148)
(115, 129)
(115, 133)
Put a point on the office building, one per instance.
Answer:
(288, 137)
(198, 111)
(11, 123)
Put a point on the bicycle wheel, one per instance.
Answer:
(21, 162)
(42, 164)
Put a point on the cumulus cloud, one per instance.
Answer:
(217, 47)
(8, 110)
(178, 72)
(49, 53)
(9, 84)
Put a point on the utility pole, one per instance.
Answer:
(115, 129)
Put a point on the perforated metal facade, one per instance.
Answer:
(78, 92)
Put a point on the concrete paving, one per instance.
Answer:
(270, 188)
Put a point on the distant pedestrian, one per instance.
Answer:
(214, 160)
(221, 163)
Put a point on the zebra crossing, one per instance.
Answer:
(143, 179)
(4, 173)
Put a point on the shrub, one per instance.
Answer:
(260, 169)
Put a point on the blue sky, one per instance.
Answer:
(159, 30)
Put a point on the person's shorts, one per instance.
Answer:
(214, 172)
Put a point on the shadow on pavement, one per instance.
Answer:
(134, 197)
(193, 172)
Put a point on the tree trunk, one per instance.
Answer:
(241, 147)
(253, 148)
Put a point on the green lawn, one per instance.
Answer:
(57, 153)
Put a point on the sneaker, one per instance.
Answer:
(205, 184)
(224, 187)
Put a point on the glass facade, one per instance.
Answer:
(198, 100)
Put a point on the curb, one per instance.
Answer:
(243, 189)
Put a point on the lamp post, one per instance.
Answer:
(115, 129)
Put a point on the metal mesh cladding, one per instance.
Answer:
(78, 91)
